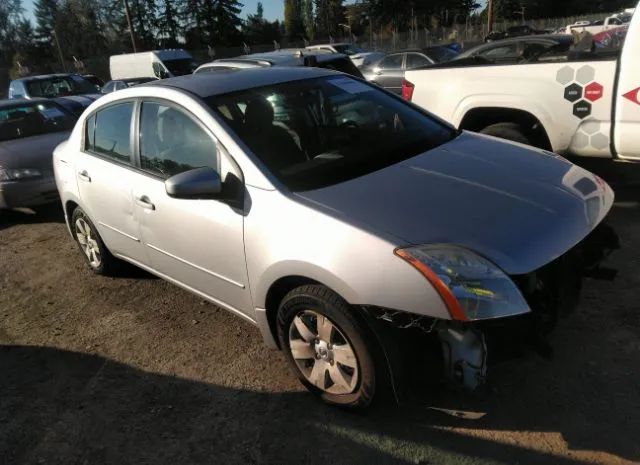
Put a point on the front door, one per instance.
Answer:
(196, 242)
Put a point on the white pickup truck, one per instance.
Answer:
(576, 103)
(595, 27)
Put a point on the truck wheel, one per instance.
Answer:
(508, 131)
(327, 347)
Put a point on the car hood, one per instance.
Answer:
(517, 206)
(31, 152)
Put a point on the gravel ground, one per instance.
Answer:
(134, 370)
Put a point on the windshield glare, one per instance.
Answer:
(60, 86)
(319, 132)
(28, 120)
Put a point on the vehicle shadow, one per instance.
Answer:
(67, 407)
(51, 213)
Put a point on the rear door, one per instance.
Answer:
(390, 72)
(105, 178)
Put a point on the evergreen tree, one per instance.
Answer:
(308, 19)
(45, 12)
(329, 14)
(258, 30)
(168, 23)
(293, 24)
(10, 16)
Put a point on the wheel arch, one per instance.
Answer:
(479, 118)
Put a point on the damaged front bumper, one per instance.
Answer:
(551, 291)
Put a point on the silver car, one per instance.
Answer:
(29, 131)
(334, 216)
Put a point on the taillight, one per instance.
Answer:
(407, 90)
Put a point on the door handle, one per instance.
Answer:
(144, 202)
(84, 176)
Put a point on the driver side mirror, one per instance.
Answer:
(198, 183)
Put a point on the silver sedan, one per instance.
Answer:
(336, 217)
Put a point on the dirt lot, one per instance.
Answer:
(134, 370)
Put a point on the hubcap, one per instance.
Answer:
(322, 353)
(88, 243)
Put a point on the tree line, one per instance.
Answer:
(89, 28)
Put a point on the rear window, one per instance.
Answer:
(59, 86)
(318, 132)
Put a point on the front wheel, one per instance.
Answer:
(327, 347)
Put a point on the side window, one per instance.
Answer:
(172, 142)
(112, 132)
(90, 134)
(108, 87)
(392, 62)
(16, 90)
(119, 85)
(415, 60)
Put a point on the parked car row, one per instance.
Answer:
(338, 218)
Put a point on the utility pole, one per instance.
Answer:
(55, 36)
(127, 13)
(490, 15)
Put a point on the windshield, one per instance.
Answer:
(59, 86)
(26, 120)
(180, 67)
(319, 132)
(348, 49)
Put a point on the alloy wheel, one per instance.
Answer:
(323, 354)
(88, 243)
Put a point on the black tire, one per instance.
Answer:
(108, 264)
(323, 301)
(508, 131)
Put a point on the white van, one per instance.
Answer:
(159, 63)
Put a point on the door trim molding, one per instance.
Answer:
(133, 238)
(209, 272)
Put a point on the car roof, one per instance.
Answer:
(329, 45)
(21, 101)
(132, 79)
(45, 76)
(208, 84)
(556, 37)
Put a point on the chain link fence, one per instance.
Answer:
(467, 35)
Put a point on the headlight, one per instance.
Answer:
(471, 287)
(19, 174)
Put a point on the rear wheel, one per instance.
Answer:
(327, 347)
(93, 249)
(509, 131)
